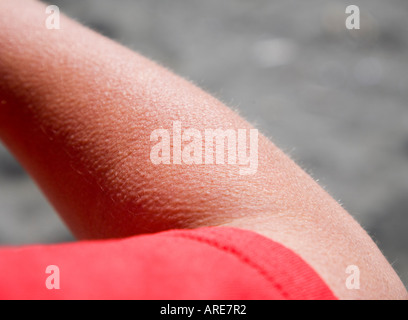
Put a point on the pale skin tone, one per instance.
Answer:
(77, 111)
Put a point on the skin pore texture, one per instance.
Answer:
(77, 111)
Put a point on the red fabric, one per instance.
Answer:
(208, 263)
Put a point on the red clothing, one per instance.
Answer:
(207, 263)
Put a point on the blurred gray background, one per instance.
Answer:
(335, 100)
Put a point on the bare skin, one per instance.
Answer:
(77, 110)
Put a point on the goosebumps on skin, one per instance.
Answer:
(77, 110)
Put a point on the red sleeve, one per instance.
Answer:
(209, 263)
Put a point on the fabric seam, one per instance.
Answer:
(239, 255)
